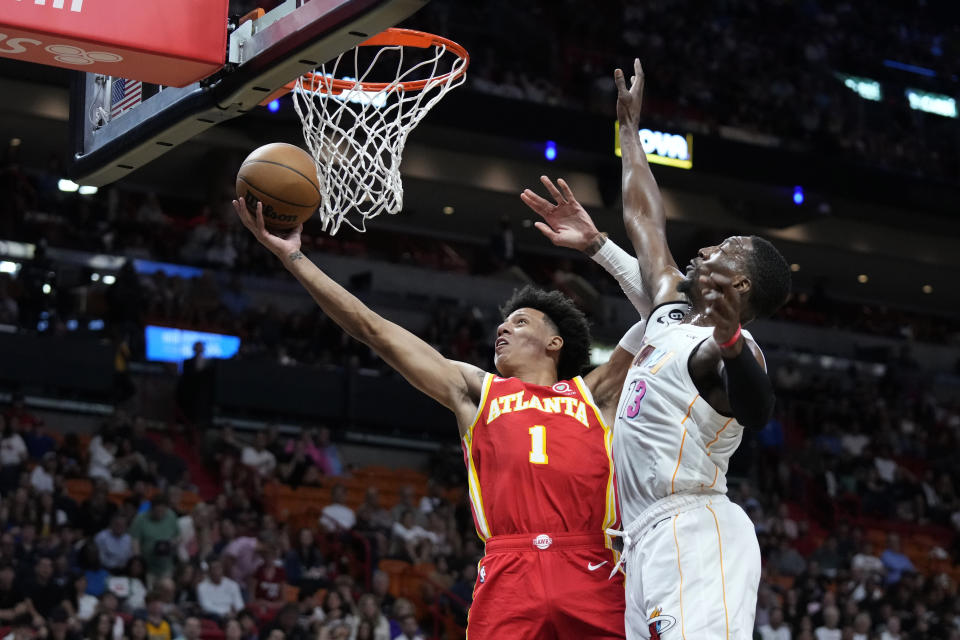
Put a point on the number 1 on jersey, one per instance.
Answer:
(538, 444)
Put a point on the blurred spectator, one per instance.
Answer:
(829, 630)
(38, 441)
(155, 536)
(158, 627)
(115, 544)
(219, 596)
(43, 593)
(129, 585)
(191, 629)
(369, 612)
(894, 561)
(413, 541)
(337, 516)
(331, 462)
(304, 564)
(410, 629)
(266, 584)
(13, 453)
(41, 478)
(258, 458)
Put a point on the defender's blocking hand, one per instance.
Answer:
(566, 223)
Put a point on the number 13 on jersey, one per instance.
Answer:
(538, 444)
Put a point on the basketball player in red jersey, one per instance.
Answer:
(536, 445)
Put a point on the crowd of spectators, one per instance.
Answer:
(139, 559)
(710, 67)
(852, 490)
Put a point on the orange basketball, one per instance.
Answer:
(284, 178)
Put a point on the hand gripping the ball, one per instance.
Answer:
(281, 246)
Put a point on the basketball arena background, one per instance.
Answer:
(829, 129)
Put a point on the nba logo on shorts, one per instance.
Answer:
(658, 623)
(483, 575)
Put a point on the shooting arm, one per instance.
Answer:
(454, 385)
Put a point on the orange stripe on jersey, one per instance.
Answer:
(679, 457)
(716, 474)
(723, 582)
(689, 409)
(717, 436)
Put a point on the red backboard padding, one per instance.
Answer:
(168, 42)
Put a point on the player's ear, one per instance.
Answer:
(742, 284)
(555, 343)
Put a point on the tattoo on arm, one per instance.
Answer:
(296, 255)
(595, 244)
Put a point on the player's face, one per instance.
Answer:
(525, 335)
(728, 259)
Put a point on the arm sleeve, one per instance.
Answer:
(748, 388)
(626, 269)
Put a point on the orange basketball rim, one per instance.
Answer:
(392, 37)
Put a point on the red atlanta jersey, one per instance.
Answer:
(538, 460)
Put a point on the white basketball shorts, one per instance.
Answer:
(693, 568)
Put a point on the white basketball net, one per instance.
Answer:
(357, 136)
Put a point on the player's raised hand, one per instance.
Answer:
(566, 223)
(281, 247)
(629, 101)
(722, 306)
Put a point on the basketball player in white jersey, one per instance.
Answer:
(699, 379)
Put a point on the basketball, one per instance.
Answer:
(284, 178)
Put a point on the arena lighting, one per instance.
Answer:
(550, 151)
(798, 195)
(864, 87)
(862, 278)
(448, 210)
(274, 106)
(109, 279)
(86, 190)
(9, 267)
(927, 288)
(94, 277)
(67, 185)
(794, 267)
(662, 147)
(47, 288)
(935, 103)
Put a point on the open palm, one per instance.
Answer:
(566, 223)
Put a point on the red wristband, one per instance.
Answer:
(732, 341)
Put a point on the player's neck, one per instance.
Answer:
(539, 375)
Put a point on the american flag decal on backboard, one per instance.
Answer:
(123, 95)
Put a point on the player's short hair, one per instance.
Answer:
(769, 276)
(567, 319)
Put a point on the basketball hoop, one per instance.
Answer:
(356, 128)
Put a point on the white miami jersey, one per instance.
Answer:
(667, 439)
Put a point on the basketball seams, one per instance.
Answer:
(311, 180)
(265, 194)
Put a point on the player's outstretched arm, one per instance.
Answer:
(567, 224)
(455, 385)
(644, 215)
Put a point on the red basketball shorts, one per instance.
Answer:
(547, 587)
